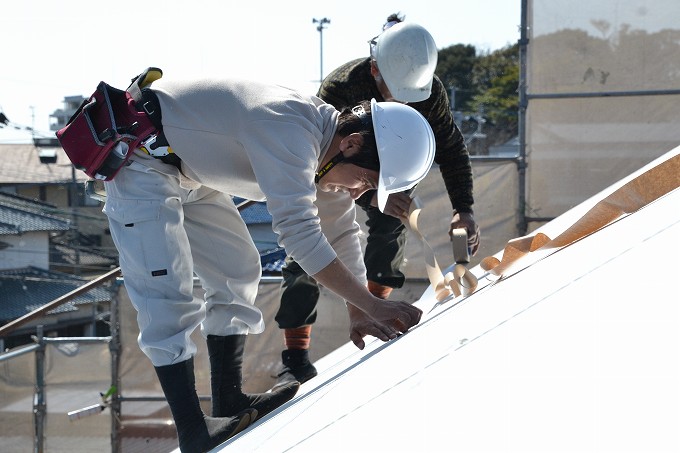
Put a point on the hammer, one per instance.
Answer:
(461, 253)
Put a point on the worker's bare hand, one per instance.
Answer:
(360, 325)
(397, 314)
(398, 205)
(466, 220)
(386, 321)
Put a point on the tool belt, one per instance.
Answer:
(102, 134)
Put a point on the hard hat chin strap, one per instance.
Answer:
(330, 164)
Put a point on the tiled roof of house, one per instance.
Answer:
(272, 261)
(19, 215)
(20, 164)
(24, 290)
(87, 259)
(256, 213)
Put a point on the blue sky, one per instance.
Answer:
(56, 49)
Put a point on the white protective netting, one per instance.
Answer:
(602, 83)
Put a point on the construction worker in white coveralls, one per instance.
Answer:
(170, 221)
(400, 68)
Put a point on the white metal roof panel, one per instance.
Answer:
(580, 351)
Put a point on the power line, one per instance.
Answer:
(5, 122)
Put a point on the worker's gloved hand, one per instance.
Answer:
(385, 322)
(466, 220)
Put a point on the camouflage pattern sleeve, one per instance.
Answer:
(451, 154)
(349, 84)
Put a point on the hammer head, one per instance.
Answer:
(461, 254)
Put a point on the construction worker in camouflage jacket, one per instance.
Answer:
(401, 69)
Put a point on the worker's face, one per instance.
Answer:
(349, 178)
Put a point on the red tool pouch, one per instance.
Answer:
(102, 134)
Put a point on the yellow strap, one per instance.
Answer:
(149, 76)
(143, 80)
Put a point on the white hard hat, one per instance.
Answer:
(406, 56)
(405, 144)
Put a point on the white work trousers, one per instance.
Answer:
(164, 234)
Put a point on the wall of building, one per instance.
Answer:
(28, 249)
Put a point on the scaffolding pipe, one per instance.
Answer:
(18, 352)
(39, 403)
(114, 350)
(522, 121)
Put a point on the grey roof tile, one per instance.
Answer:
(20, 164)
(19, 215)
(23, 290)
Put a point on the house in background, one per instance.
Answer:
(25, 228)
(42, 172)
(52, 238)
(34, 233)
(59, 118)
(31, 255)
(29, 288)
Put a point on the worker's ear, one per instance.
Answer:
(351, 144)
(375, 72)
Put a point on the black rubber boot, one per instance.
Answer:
(226, 363)
(296, 367)
(196, 433)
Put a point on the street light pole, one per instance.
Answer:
(320, 29)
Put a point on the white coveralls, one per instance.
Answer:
(239, 138)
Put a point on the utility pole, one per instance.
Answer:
(320, 29)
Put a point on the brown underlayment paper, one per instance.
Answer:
(458, 282)
(632, 196)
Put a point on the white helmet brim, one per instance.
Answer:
(406, 147)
